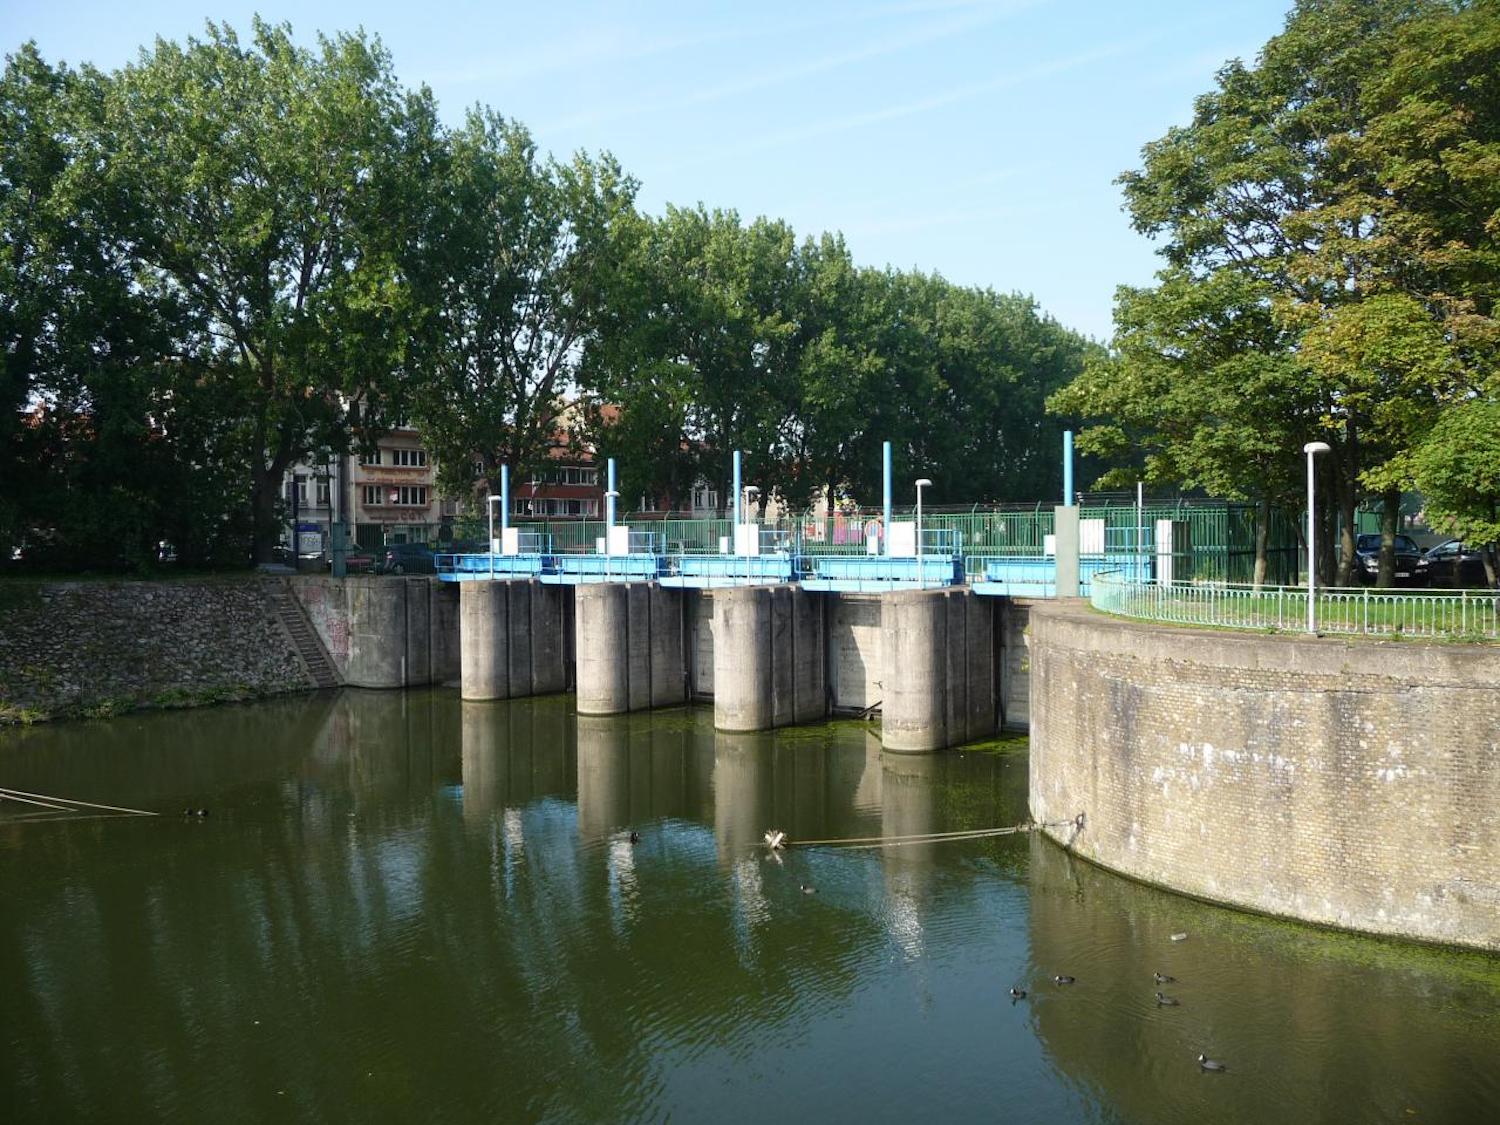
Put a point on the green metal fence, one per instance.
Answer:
(1222, 535)
(1437, 614)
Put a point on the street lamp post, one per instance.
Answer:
(489, 505)
(609, 548)
(1312, 449)
(921, 484)
(489, 502)
(750, 490)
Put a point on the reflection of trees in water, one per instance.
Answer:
(1315, 1025)
(428, 906)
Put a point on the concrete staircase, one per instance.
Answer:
(309, 647)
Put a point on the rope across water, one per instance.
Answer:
(851, 842)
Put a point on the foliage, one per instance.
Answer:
(1458, 470)
(1327, 226)
(510, 268)
(261, 188)
(735, 336)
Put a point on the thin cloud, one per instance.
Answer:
(979, 15)
(622, 44)
(922, 105)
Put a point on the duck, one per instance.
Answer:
(1180, 937)
(1018, 994)
(635, 837)
(202, 812)
(1162, 978)
(1063, 978)
(808, 890)
(1211, 1064)
(1166, 1001)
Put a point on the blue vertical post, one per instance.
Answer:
(885, 470)
(1067, 468)
(609, 504)
(737, 491)
(504, 498)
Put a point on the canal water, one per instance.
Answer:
(412, 908)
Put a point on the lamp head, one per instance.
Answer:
(611, 495)
(924, 483)
(751, 490)
(1316, 447)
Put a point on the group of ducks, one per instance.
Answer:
(1162, 1001)
(197, 814)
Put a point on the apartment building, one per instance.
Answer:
(388, 496)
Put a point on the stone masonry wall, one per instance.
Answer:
(1352, 784)
(70, 649)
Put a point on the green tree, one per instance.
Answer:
(512, 268)
(1202, 389)
(1277, 185)
(263, 187)
(1458, 470)
(709, 345)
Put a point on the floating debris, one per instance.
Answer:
(1180, 937)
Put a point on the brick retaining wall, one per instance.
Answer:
(1353, 784)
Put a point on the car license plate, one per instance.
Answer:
(1403, 574)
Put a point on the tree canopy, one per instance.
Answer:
(234, 255)
(1327, 227)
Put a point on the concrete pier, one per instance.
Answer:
(944, 666)
(939, 670)
(513, 639)
(629, 647)
(768, 653)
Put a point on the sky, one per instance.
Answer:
(977, 139)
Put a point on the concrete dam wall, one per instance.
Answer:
(1351, 784)
(932, 662)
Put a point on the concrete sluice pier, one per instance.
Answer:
(941, 666)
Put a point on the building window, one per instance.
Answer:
(409, 458)
(323, 493)
(372, 458)
(404, 496)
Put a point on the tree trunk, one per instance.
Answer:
(1390, 521)
(1328, 521)
(264, 527)
(1348, 500)
(1262, 539)
(265, 487)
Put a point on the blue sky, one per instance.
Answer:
(975, 138)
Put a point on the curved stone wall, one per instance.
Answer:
(1351, 784)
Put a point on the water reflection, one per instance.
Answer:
(1315, 1025)
(412, 906)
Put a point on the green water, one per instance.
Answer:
(416, 909)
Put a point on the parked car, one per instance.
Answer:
(1454, 564)
(357, 560)
(405, 558)
(1411, 565)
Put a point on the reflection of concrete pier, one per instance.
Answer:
(603, 777)
(743, 777)
(515, 753)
